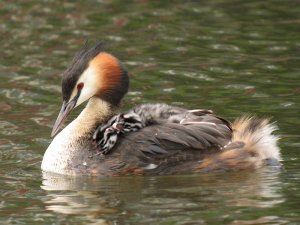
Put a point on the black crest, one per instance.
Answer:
(79, 63)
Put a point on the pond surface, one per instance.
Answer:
(233, 57)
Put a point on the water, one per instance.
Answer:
(233, 57)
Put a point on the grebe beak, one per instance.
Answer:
(64, 112)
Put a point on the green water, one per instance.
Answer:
(232, 56)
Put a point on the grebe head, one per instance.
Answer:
(92, 73)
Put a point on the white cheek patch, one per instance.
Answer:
(90, 88)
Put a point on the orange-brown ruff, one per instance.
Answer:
(172, 140)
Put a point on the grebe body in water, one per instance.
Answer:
(150, 139)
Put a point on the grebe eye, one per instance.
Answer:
(80, 86)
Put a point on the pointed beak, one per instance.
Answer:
(64, 112)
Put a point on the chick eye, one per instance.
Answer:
(80, 86)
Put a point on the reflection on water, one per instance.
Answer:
(154, 199)
(232, 57)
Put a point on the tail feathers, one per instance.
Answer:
(257, 135)
(253, 145)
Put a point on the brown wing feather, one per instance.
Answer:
(156, 143)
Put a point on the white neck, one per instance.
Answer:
(65, 146)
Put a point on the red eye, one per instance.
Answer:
(80, 86)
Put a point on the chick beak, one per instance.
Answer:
(64, 112)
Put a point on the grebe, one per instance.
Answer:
(150, 139)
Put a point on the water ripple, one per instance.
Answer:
(226, 47)
(8, 128)
(199, 76)
(21, 96)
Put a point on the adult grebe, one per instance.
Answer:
(168, 140)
